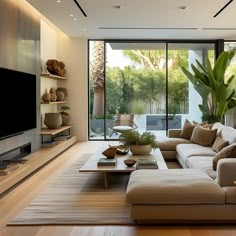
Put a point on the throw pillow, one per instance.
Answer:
(202, 135)
(202, 124)
(219, 143)
(187, 130)
(226, 152)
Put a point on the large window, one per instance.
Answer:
(144, 79)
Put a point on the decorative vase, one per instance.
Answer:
(53, 96)
(66, 118)
(46, 97)
(53, 120)
(140, 149)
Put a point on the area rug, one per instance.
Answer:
(77, 198)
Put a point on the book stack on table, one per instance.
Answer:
(106, 162)
(146, 164)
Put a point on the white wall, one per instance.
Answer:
(73, 52)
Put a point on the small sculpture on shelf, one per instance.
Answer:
(56, 67)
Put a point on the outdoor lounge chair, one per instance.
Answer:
(122, 123)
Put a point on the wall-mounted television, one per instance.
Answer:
(18, 101)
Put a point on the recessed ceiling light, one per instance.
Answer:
(58, 1)
(117, 6)
(74, 18)
(84, 29)
(71, 15)
(182, 7)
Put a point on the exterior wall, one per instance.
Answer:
(194, 97)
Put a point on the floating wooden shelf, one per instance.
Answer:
(50, 103)
(50, 76)
(35, 161)
(46, 131)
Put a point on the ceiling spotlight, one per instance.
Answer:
(182, 7)
(117, 6)
(58, 1)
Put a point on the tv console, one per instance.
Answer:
(16, 153)
(34, 163)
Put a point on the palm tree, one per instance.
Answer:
(98, 77)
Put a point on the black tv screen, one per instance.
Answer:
(18, 102)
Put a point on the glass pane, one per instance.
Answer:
(230, 118)
(96, 89)
(135, 84)
(183, 99)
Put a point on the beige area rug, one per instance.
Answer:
(79, 199)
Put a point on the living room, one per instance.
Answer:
(24, 29)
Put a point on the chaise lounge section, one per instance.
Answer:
(200, 192)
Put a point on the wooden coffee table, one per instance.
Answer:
(91, 164)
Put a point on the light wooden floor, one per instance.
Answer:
(19, 197)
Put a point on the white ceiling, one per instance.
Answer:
(142, 19)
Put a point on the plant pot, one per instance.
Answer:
(140, 149)
(53, 120)
(66, 118)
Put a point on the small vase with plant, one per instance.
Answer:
(65, 116)
(139, 144)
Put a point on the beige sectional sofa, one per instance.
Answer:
(196, 193)
(192, 155)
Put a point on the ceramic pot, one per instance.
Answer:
(53, 120)
(66, 118)
(140, 149)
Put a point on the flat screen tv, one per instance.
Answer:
(18, 102)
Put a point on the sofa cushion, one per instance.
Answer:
(173, 186)
(219, 127)
(169, 144)
(219, 143)
(192, 149)
(228, 134)
(203, 136)
(203, 163)
(187, 130)
(230, 194)
(184, 151)
(226, 152)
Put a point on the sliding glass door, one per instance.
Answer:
(145, 80)
(183, 99)
(136, 83)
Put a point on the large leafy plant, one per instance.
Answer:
(218, 92)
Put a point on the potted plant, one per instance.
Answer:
(218, 92)
(65, 116)
(139, 144)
